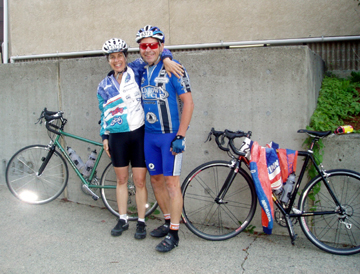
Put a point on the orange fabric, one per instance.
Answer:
(258, 155)
(287, 161)
(174, 226)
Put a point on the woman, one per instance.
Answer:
(122, 126)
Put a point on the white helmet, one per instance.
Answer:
(115, 45)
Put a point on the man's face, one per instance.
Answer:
(117, 61)
(150, 50)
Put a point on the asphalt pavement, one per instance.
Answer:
(66, 237)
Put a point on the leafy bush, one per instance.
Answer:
(338, 100)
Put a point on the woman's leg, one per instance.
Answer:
(122, 176)
(139, 177)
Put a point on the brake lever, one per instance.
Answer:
(39, 121)
(223, 139)
(209, 137)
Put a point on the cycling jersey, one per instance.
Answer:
(259, 168)
(120, 104)
(161, 103)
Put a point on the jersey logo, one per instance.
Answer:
(127, 79)
(116, 111)
(154, 93)
(163, 80)
(116, 120)
(151, 117)
(185, 83)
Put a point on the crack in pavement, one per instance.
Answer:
(247, 253)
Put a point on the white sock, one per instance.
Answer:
(124, 217)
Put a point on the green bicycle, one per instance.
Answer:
(38, 174)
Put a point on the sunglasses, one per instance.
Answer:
(144, 46)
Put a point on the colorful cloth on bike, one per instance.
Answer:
(261, 170)
(120, 104)
(160, 95)
(287, 160)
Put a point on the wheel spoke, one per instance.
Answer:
(23, 181)
(212, 219)
(337, 233)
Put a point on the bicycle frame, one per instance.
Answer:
(56, 143)
(286, 211)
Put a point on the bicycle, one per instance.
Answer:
(220, 199)
(38, 174)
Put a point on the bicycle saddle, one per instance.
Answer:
(315, 133)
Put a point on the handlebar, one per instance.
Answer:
(242, 151)
(49, 117)
(230, 135)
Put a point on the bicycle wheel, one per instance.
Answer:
(213, 220)
(333, 229)
(24, 182)
(108, 194)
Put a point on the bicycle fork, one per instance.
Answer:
(224, 189)
(46, 160)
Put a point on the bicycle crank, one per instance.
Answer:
(93, 195)
(280, 218)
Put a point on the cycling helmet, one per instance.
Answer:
(150, 31)
(115, 45)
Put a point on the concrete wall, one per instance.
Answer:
(42, 26)
(271, 91)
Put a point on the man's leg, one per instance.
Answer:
(176, 202)
(163, 200)
(161, 192)
(175, 196)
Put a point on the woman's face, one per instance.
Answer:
(117, 61)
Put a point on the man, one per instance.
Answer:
(165, 131)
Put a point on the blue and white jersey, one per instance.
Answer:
(120, 104)
(160, 95)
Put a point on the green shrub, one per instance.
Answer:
(338, 100)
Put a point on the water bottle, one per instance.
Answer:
(344, 129)
(75, 158)
(89, 164)
(278, 191)
(288, 187)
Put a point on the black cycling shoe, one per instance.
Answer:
(161, 231)
(119, 228)
(140, 231)
(168, 244)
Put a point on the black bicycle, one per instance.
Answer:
(220, 199)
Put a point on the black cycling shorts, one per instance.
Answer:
(127, 147)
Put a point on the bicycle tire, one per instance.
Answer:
(334, 233)
(203, 215)
(22, 175)
(108, 195)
